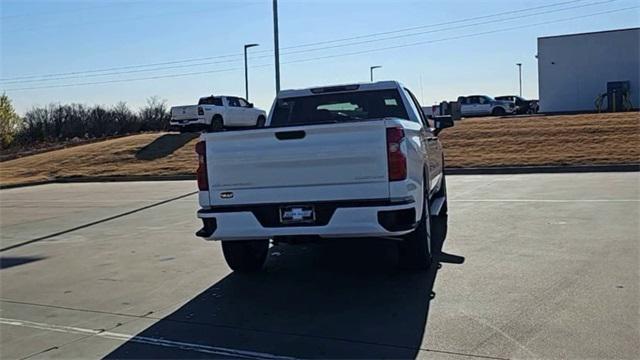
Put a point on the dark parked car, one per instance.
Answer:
(523, 106)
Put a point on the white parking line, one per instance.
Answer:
(546, 200)
(145, 340)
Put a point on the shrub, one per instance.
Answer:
(9, 122)
(55, 122)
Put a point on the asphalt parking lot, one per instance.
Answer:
(113, 270)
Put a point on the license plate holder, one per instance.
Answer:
(297, 214)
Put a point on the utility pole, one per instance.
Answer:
(246, 71)
(276, 45)
(371, 70)
(520, 76)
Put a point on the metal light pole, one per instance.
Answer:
(246, 71)
(520, 76)
(275, 44)
(371, 70)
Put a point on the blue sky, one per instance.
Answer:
(445, 55)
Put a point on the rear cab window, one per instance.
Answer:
(210, 100)
(338, 107)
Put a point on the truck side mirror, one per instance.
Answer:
(442, 122)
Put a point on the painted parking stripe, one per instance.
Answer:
(117, 216)
(215, 350)
(546, 200)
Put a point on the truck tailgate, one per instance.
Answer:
(186, 112)
(327, 162)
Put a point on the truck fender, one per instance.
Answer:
(215, 115)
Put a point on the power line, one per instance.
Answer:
(432, 25)
(82, 76)
(450, 28)
(47, 13)
(134, 18)
(343, 54)
(239, 55)
(464, 36)
(126, 80)
(121, 67)
(77, 76)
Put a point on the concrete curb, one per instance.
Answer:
(31, 183)
(126, 178)
(542, 169)
(91, 179)
(449, 171)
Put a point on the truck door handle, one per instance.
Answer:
(290, 135)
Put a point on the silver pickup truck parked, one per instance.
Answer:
(483, 105)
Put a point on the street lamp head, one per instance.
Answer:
(246, 71)
(519, 64)
(371, 71)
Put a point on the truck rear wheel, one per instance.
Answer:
(415, 249)
(260, 122)
(216, 123)
(498, 111)
(245, 255)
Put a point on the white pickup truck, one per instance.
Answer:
(341, 161)
(214, 113)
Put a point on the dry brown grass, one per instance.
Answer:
(117, 157)
(537, 140)
(544, 140)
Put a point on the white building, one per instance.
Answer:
(574, 69)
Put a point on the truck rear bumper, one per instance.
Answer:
(344, 221)
(187, 122)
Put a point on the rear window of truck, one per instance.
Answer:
(338, 107)
(211, 100)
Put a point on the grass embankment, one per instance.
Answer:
(143, 154)
(585, 139)
(537, 140)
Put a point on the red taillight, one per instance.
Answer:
(201, 150)
(200, 110)
(397, 161)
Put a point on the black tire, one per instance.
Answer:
(498, 111)
(245, 256)
(261, 121)
(217, 124)
(415, 249)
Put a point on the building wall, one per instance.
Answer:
(574, 69)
